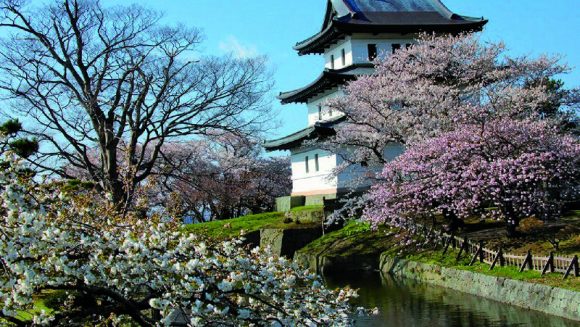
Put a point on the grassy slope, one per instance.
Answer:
(359, 239)
(569, 246)
(230, 228)
(307, 208)
(354, 239)
(224, 229)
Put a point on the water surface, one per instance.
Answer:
(405, 302)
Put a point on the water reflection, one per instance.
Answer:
(405, 302)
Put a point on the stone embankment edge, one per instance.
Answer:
(550, 300)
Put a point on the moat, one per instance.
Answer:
(404, 302)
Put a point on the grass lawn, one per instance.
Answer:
(307, 208)
(534, 235)
(225, 229)
(230, 228)
(535, 238)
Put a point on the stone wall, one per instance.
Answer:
(318, 200)
(547, 299)
(285, 242)
(314, 217)
(285, 203)
(331, 264)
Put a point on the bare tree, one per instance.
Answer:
(116, 80)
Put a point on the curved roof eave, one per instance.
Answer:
(328, 79)
(319, 129)
(329, 32)
(384, 16)
(337, 30)
(287, 142)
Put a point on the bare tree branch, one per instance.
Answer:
(115, 80)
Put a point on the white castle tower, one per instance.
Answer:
(354, 32)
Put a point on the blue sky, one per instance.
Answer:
(272, 27)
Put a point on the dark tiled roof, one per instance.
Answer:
(319, 129)
(366, 6)
(329, 79)
(344, 17)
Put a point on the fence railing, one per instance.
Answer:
(478, 252)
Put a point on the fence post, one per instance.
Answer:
(527, 261)
(549, 264)
(498, 257)
(573, 266)
(481, 253)
(447, 243)
(464, 246)
(478, 253)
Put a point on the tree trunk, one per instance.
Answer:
(113, 183)
(454, 222)
(511, 228)
(512, 221)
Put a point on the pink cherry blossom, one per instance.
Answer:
(519, 168)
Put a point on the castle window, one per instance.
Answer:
(316, 165)
(396, 47)
(332, 62)
(372, 52)
(306, 162)
(343, 56)
(319, 112)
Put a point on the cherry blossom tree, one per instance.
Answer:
(437, 84)
(220, 178)
(506, 168)
(121, 270)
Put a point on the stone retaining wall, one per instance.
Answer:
(543, 298)
(285, 242)
(327, 264)
(285, 203)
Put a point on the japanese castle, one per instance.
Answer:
(354, 32)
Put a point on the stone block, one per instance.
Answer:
(307, 216)
(285, 242)
(318, 200)
(285, 203)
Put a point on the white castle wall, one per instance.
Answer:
(335, 52)
(313, 116)
(313, 182)
(359, 45)
(356, 48)
(322, 182)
